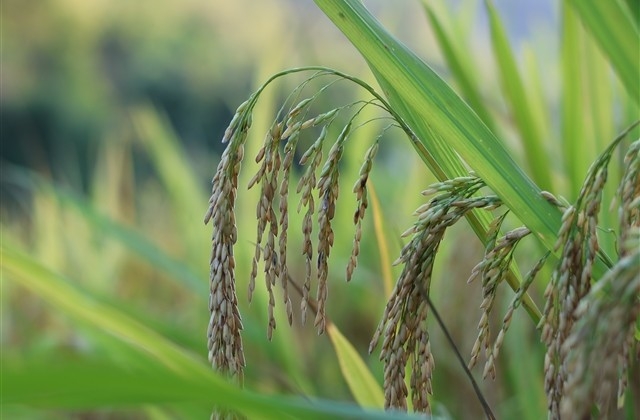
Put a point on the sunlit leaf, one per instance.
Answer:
(363, 385)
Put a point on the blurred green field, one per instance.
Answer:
(112, 117)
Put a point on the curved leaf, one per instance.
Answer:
(431, 101)
(84, 384)
(363, 385)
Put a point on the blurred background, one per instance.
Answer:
(112, 114)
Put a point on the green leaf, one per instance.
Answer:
(434, 103)
(443, 161)
(363, 385)
(429, 100)
(173, 374)
(85, 384)
(60, 292)
(616, 32)
(131, 239)
(516, 95)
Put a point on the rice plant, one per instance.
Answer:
(589, 290)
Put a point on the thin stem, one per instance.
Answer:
(474, 384)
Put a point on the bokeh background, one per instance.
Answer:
(112, 114)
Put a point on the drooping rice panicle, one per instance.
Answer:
(493, 270)
(572, 278)
(224, 341)
(328, 190)
(289, 152)
(574, 308)
(515, 303)
(629, 192)
(312, 158)
(267, 177)
(403, 325)
(360, 189)
(599, 344)
(603, 336)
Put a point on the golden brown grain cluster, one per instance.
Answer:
(224, 341)
(598, 348)
(318, 189)
(360, 189)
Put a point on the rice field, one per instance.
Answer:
(443, 220)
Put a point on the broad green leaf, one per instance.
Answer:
(518, 100)
(433, 102)
(616, 32)
(634, 9)
(89, 384)
(59, 292)
(363, 385)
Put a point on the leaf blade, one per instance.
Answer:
(432, 100)
(518, 99)
(362, 384)
(613, 28)
(51, 384)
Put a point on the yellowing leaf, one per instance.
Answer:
(363, 385)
